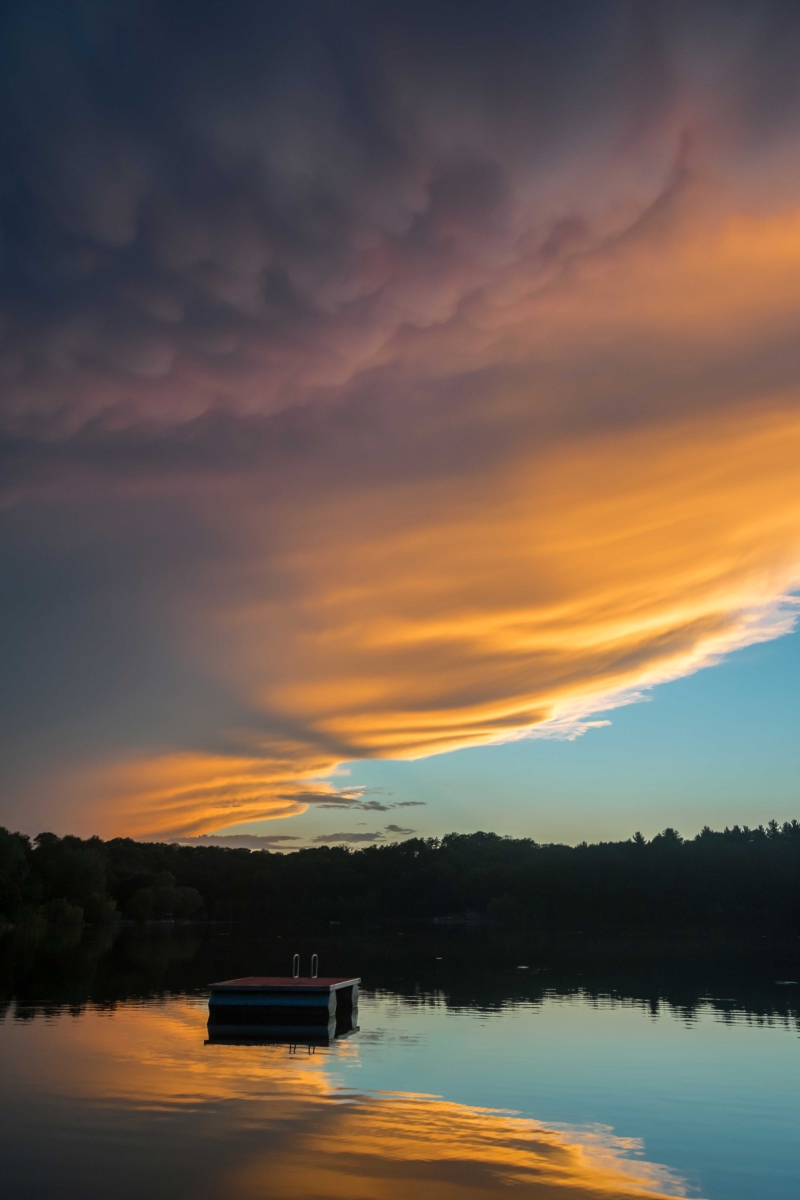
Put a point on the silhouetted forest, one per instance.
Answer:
(740, 877)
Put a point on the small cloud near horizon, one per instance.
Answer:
(240, 841)
(352, 798)
(329, 838)
(277, 841)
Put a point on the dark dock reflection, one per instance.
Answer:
(343, 1025)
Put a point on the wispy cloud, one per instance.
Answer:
(353, 799)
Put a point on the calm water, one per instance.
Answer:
(604, 1069)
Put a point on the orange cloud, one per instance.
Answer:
(189, 793)
(593, 489)
(428, 618)
(569, 563)
(417, 620)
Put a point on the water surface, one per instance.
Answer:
(484, 1065)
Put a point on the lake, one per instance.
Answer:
(485, 1063)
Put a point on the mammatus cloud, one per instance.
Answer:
(406, 386)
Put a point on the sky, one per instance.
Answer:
(399, 418)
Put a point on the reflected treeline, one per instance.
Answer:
(738, 879)
(479, 968)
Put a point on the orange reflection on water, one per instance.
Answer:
(281, 1126)
(388, 1147)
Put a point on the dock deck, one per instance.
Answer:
(281, 983)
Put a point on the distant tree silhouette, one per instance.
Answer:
(740, 877)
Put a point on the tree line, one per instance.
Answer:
(738, 877)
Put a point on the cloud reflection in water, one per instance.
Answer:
(246, 1122)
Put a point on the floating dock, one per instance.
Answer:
(283, 1008)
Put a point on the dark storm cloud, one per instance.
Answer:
(210, 216)
(230, 208)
